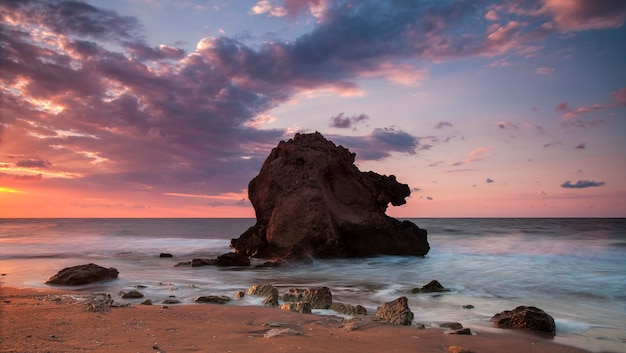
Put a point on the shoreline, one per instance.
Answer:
(52, 320)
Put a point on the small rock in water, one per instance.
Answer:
(451, 325)
(525, 317)
(146, 302)
(133, 294)
(240, 294)
(468, 306)
(164, 254)
(431, 287)
(213, 299)
(171, 301)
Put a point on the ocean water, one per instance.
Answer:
(574, 269)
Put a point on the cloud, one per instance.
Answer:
(581, 184)
(489, 181)
(581, 146)
(552, 144)
(577, 15)
(618, 100)
(507, 125)
(443, 125)
(379, 144)
(544, 70)
(341, 121)
(429, 198)
(33, 163)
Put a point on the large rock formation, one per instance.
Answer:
(311, 200)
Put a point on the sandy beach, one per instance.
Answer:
(35, 320)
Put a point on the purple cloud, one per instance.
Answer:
(489, 181)
(581, 184)
(443, 125)
(33, 163)
(341, 121)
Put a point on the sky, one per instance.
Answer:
(164, 108)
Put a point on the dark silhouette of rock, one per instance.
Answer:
(232, 259)
(83, 274)
(311, 201)
(397, 312)
(451, 325)
(133, 294)
(431, 287)
(202, 262)
(212, 299)
(164, 254)
(525, 317)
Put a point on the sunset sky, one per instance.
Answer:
(167, 108)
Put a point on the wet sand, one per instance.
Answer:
(34, 320)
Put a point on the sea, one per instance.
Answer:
(572, 268)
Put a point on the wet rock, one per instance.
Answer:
(319, 298)
(183, 263)
(164, 254)
(293, 295)
(348, 309)
(203, 262)
(525, 317)
(212, 299)
(146, 302)
(461, 331)
(451, 325)
(311, 201)
(83, 274)
(431, 287)
(133, 294)
(468, 306)
(239, 294)
(265, 290)
(232, 259)
(397, 312)
(171, 301)
(301, 307)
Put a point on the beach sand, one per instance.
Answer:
(34, 320)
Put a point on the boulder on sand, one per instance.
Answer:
(311, 201)
(525, 317)
(83, 274)
(397, 312)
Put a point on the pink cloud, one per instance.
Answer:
(577, 15)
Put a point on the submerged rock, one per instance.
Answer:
(133, 294)
(431, 287)
(311, 201)
(397, 312)
(83, 274)
(525, 317)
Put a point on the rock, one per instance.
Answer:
(277, 332)
(212, 299)
(293, 295)
(301, 307)
(83, 274)
(146, 302)
(164, 254)
(348, 309)
(468, 306)
(461, 331)
(171, 301)
(431, 287)
(232, 259)
(133, 294)
(311, 201)
(203, 262)
(265, 290)
(458, 349)
(451, 325)
(525, 317)
(319, 298)
(184, 263)
(239, 294)
(262, 290)
(397, 312)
